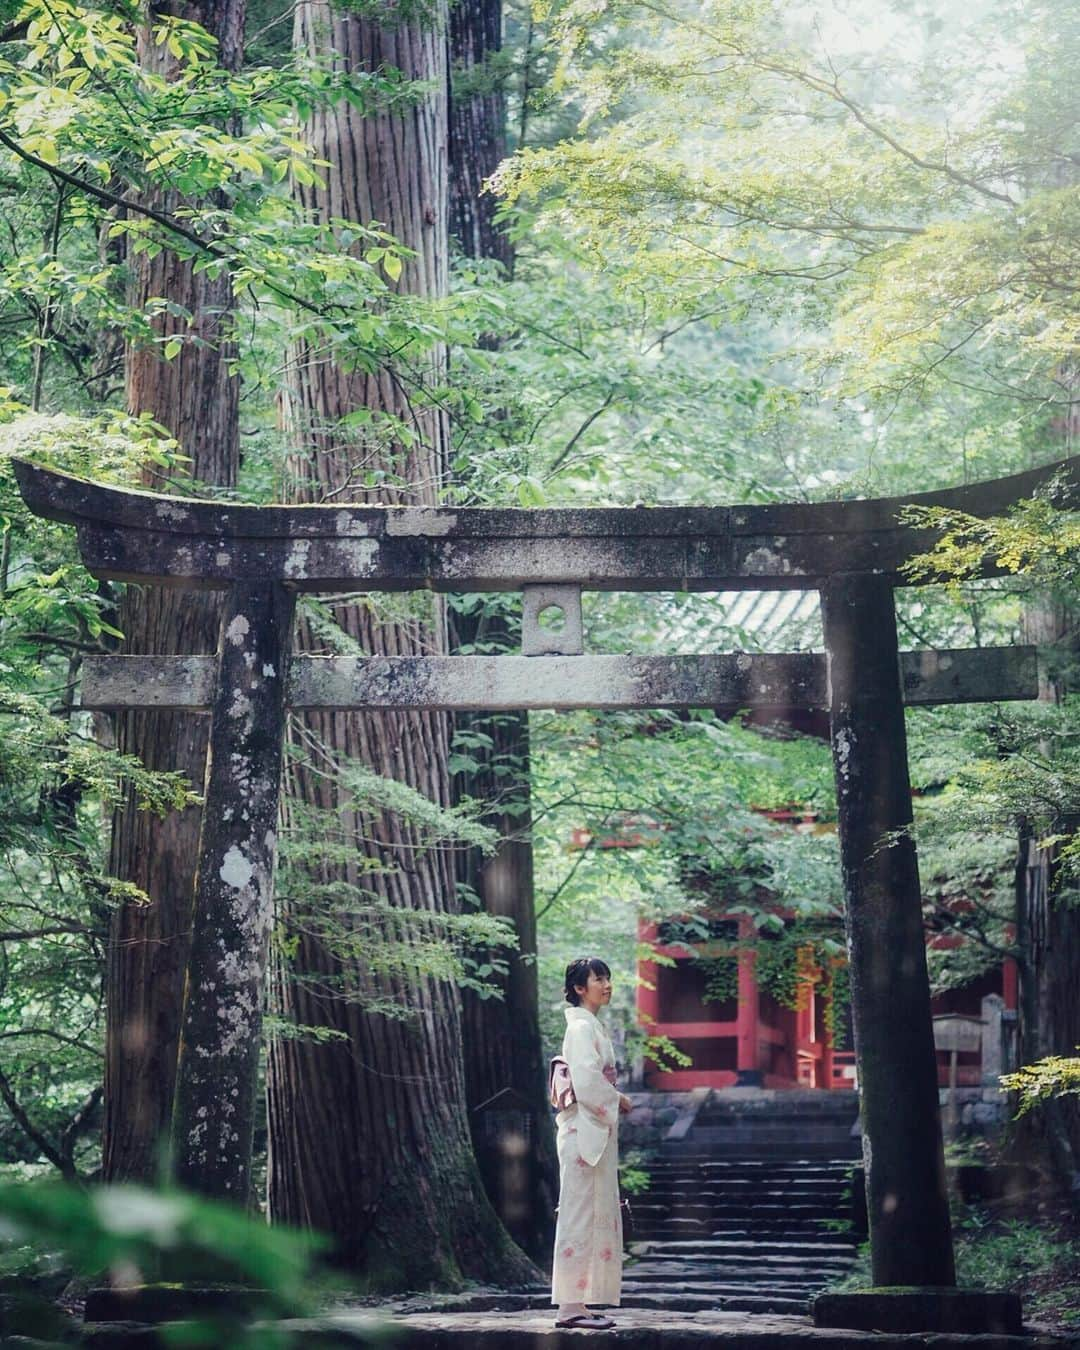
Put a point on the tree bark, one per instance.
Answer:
(1048, 934)
(477, 128)
(196, 399)
(369, 1139)
(503, 1052)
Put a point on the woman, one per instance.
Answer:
(588, 1234)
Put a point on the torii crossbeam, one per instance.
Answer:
(851, 551)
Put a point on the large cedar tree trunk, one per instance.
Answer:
(504, 1076)
(195, 399)
(369, 1139)
(477, 128)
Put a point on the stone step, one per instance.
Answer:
(818, 1219)
(715, 1115)
(740, 1195)
(648, 1329)
(800, 1130)
(808, 1140)
(712, 1182)
(723, 1247)
(740, 1186)
(703, 1248)
(714, 1254)
(744, 1175)
(766, 1224)
(794, 1248)
(768, 1228)
(749, 1269)
(768, 1282)
(732, 1298)
(719, 1245)
(717, 1249)
(764, 1152)
(642, 1291)
(791, 1245)
(791, 1241)
(786, 1187)
(742, 1217)
(723, 1286)
(736, 1169)
(842, 1253)
(728, 1211)
(682, 1153)
(720, 1288)
(848, 1111)
(680, 1301)
(689, 1160)
(718, 1293)
(704, 1279)
(708, 1199)
(834, 1201)
(750, 1169)
(747, 1210)
(780, 1099)
(776, 1230)
(737, 1264)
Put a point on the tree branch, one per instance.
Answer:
(52, 1035)
(104, 195)
(25, 934)
(32, 1132)
(559, 459)
(206, 248)
(77, 1124)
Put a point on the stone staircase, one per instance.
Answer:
(740, 1211)
(757, 1123)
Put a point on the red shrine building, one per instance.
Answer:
(747, 1040)
(753, 1040)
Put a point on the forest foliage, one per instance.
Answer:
(762, 253)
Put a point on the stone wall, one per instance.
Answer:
(653, 1115)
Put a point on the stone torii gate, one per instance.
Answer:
(261, 557)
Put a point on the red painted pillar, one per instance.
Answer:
(749, 1069)
(1010, 983)
(648, 996)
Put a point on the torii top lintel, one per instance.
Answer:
(131, 535)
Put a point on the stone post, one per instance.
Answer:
(214, 1111)
(910, 1237)
(992, 1009)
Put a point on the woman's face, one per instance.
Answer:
(596, 992)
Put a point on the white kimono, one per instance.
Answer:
(588, 1235)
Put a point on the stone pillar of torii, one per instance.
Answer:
(262, 556)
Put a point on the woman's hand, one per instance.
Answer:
(625, 1104)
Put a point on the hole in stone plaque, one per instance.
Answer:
(552, 619)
